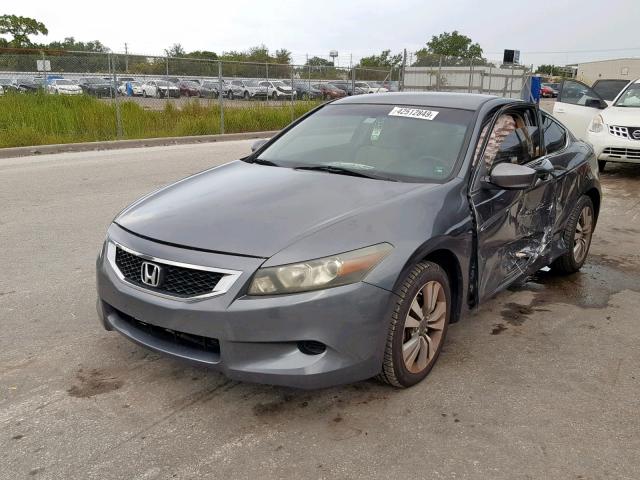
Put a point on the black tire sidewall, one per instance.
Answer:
(433, 272)
(571, 229)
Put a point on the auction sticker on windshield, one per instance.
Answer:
(420, 113)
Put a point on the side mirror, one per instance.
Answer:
(595, 103)
(258, 144)
(511, 176)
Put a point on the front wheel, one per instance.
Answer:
(577, 237)
(246, 95)
(274, 96)
(418, 325)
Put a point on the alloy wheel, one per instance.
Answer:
(582, 236)
(423, 327)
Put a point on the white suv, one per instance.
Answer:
(275, 90)
(613, 131)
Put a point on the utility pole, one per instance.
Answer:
(126, 57)
(404, 64)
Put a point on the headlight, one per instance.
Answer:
(341, 269)
(597, 124)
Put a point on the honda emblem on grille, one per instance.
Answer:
(150, 273)
(636, 134)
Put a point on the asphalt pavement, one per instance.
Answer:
(541, 382)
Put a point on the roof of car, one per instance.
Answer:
(467, 101)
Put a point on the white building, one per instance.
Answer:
(619, 68)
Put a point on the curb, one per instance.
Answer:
(12, 152)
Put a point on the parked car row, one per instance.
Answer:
(174, 87)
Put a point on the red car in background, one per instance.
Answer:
(329, 91)
(549, 90)
(189, 88)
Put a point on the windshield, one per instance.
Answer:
(398, 142)
(64, 82)
(164, 83)
(609, 89)
(630, 97)
(93, 80)
(279, 84)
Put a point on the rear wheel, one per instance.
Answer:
(577, 236)
(602, 165)
(418, 325)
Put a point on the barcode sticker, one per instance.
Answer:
(419, 113)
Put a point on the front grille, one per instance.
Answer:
(193, 342)
(176, 281)
(630, 153)
(618, 131)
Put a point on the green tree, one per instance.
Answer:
(20, 28)
(283, 56)
(259, 54)
(319, 62)
(204, 54)
(176, 50)
(384, 60)
(459, 50)
(70, 43)
(552, 70)
(454, 44)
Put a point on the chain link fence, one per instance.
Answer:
(152, 96)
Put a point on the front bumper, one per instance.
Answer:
(609, 147)
(257, 338)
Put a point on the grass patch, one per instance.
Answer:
(42, 119)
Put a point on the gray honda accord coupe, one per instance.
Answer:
(342, 248)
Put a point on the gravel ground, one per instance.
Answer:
(541, 382)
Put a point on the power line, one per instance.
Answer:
(572, 51)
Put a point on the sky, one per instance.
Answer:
(570, 31)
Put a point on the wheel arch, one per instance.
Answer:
(451, 265)
(446, 258)
(595, 197)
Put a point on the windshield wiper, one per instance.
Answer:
(261, 161)
(343, 171)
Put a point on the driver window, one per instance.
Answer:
(514, 139)
(576, 93)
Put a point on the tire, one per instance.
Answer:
(230, 95)
(602, 164)
(407, 331)
(144, 94)
(577, 236)
(246, 95)
(274, 96)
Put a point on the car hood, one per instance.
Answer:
(624, 116)
(250, 209)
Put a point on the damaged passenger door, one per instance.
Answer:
(512, 197)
